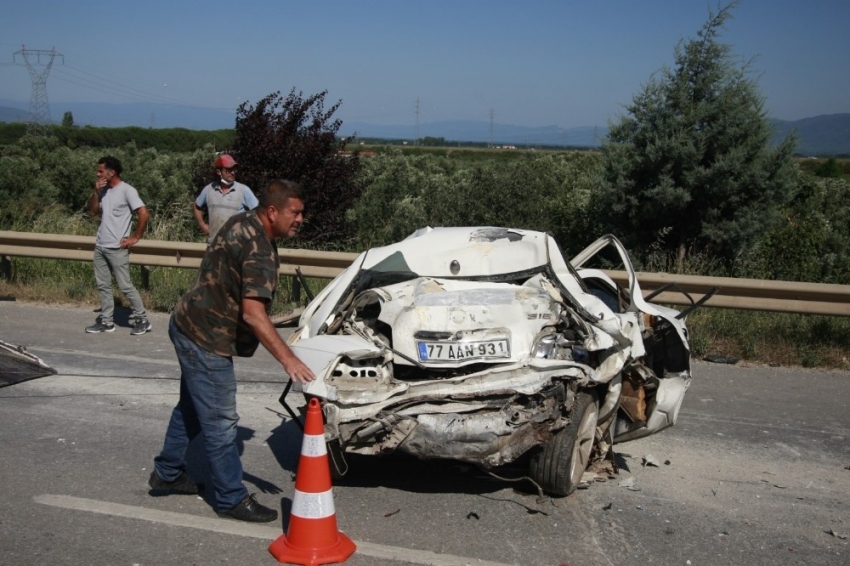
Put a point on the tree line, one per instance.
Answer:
(165, 139)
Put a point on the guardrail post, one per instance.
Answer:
(146, 278)
(296, 290)
(5, 268)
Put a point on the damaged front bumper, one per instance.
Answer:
(487, 418)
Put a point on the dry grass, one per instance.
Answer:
(772, 338)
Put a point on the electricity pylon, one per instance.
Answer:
(39, 124)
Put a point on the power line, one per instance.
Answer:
(113, 88)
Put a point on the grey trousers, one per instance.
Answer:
(109, 262)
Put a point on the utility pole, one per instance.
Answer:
(416, 134)
(491, 128)
(39, 124)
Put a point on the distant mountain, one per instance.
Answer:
(819, 135)
(828, 134)
(8, 114)
(139, 114)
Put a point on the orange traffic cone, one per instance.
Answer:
(312, 537)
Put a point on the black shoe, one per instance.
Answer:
(141, 326)
(99, 326)
(249, 509)
(183, 485)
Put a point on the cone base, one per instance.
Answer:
(284, 552)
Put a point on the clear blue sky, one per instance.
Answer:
(533, 63)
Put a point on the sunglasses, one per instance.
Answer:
(230, 169)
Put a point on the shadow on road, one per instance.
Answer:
(401, 471)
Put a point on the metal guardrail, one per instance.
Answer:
(747, 294)
(743, 294)
(163, 254)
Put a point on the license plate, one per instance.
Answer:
(463, 351)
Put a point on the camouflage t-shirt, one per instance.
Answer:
(240, 262)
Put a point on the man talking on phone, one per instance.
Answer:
(116, 202)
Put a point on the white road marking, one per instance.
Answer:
(789, 449)
(404, 555)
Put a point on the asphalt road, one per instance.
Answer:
(755, 472)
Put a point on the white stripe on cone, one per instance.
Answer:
(314, 445)
(313, 505)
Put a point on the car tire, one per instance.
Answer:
(560, 463)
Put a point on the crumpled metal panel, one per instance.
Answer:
(17, 365)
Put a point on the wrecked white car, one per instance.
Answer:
(482, 344)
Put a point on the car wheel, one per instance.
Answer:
(559, 465)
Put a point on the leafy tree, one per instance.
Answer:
(693, 156)
(67, 120)
(295, 138)
(811, 243)
(547, 192)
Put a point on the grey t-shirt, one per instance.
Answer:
(221, 206)
(117, 205)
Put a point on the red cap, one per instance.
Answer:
(224, 161)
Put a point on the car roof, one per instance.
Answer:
(475, 251)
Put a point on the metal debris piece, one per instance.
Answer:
(833, 533)
(472, 515)
(650, 460)
(720, 359)
(17, 365)
(391, 513)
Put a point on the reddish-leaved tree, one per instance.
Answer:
(295, 138)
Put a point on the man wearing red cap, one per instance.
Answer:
(222, 198)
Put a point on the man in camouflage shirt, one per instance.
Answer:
(226, 314)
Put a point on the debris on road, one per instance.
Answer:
(650, 460)
(721, 359)
(833, 533)
(17, 365)
(629, 483)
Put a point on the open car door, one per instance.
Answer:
(654, 386)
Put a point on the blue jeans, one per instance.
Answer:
(207, 406)
(109, 262)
